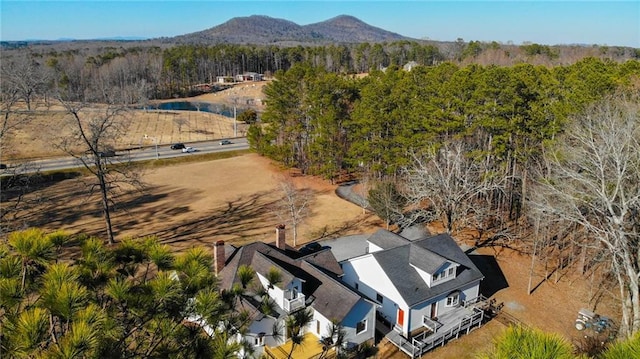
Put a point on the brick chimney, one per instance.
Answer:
(280, 237)
(218, 256)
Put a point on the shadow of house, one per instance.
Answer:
(494, 279)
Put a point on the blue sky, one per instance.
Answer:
(544, 22)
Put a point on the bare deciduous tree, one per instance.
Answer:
(95, 130)
(25, 77)
(361, 191)
(450, 183)
(18, 84)
(593, 181)
(293, 207)
(180, 121)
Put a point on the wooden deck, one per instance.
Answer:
(452, 324)
(309, 349)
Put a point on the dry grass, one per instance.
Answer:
(39, 137)
(233, 199)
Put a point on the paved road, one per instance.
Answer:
(141, 154)
(345, 191)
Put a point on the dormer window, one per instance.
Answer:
(446, 273)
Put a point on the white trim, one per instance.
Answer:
(365, 321)
(453, 299)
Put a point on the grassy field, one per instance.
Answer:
(41, 136)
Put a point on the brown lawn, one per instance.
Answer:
(234, 199)
(49, 125)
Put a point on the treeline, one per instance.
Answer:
(325, 123)
(172, 70)
(543, 159)
(154, 72)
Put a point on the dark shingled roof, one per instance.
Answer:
(325, 260)
(319, 271)
(332, 299)
(426, 260)
(386, 239)
(396, 262)
(262, 264)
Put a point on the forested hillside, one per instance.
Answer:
(164, 70)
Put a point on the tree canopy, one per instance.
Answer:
(133, 299)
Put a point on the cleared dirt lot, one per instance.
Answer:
(230, 199)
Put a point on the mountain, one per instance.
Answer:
(262, 30)
(349, 29)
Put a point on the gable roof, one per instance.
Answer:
(425, 259)
(386, 239)
(319, 271)
(326, 260)
(262, 264)
(332, 299)
(428, 254)
(445, 246)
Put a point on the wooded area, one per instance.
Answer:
(161, 70)
(540, 157)
(500, 151)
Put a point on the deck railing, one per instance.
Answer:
(430, 323)
(422, 343)
(291, 305)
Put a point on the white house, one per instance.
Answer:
(306, 281)
(415, 283)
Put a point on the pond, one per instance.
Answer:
(220, 109)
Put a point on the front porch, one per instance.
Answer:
(310, 348)
(448, 326)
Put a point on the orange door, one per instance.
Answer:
(400, 317)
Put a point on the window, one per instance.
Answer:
(453, 299)
(444, 274)
(379, 297)
(361, 326)
(357, 287)
(318, 326)
(259, 340)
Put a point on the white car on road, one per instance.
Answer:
(188, 150)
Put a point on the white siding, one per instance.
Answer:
(363, 310)
(275, 293)
(424, 275)
(367, 273)
(373, 248)
(428, 278)
(445, 267)
(324, 324)
(295, 283)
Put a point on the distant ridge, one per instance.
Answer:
(345, 28)
(262, 30)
